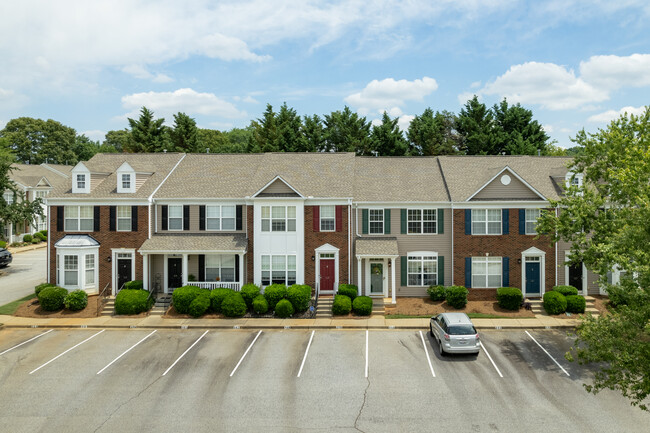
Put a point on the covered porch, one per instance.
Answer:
(375, 260)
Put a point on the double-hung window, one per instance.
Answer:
(422, 221)
(124, 218)
(531, 221)
(327, 218)
(422, 270)
(175, 217)
(70, 270)
(126, 181)
(90, 269)
(78, 218)
(278, 218)
(220, 268)
(486, 272)
(220, 217)
(376, 221)
(81, 181)
(278, 269)
(486, 221)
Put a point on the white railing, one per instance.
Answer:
(215, 284)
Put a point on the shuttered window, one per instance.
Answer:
(422, 270)
(79, 218)
(376, 221)
(124, 214)
(486, 272)
(327, 218)
(175, 217)
(486, 221)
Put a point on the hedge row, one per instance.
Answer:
(456, 296)
(132, 301)
(343, 304)
(564, 298)
(53, 298)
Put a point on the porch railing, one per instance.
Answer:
(216, 284)
(102, 297)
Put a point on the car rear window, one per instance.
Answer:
(461, 330)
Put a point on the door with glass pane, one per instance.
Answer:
(376, 278)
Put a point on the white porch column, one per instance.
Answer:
(392, 279)
(145, 271)
(241, 269)
(185, 269)
(165, 274)
(359, 276)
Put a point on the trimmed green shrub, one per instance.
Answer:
(40, 287)
(260, 306)
(217, 296)
(575, 304)
(284, 309)
(274, 294)
(40, 236)
(134, 285)
(349, 290)
(51, 298)
(249, 292)
(36, 241)
(342, 305)
(132, 302)
(44, 233)
(199, 305)
(299, 295)
(437, 293)
(234, 305)
(183, 297)
(3, 244)
(566, 290)
(554, 302)
(362, 305)
(76, 300)
(509, 298)
(456, 296)
(27, 238)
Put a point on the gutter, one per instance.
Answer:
(151, 200)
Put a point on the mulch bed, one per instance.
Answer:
(426, 307)
(31, 308)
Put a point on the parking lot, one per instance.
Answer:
(292, 380)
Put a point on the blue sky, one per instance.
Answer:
(92, 64)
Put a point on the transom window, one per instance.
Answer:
(219, 268)
(486, 222)
(376, 221)
(278, 218)
(327, 218)
(486, 272)
(422, 270)
(126, 181)
(278, 269)
(422, 221)
(531, 221)
(175, 217)
(81, 181)
(79, 218)
(220, 217)
(124, 218)
(70, 270)
(90, 269)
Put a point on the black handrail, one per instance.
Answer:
(102, 298)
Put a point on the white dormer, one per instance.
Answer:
(80, 179)
(125, 178)
(573, 179)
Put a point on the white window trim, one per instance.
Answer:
(381, 212)
(420, 255)
(81, 254)
(422, 209)
(118, 218)
(221, 218)
(526, 221)
(114, 255)
(220, 267)
(286, 219)
(78, 219)
(169, 217)
(538, 254)
(286, 268)
(487, 260)
(332, 218)
(487, 221)
(327, 249)
(585, 275)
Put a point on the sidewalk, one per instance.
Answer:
(373, 322)
(17, 250)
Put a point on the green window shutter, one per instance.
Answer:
(364, 221)
(387, 221)
(441, 270)
(403, 267)
(441, 221)
(403, 221)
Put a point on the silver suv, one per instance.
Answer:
(454, 333)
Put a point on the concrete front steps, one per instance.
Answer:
(324, 307)
(537, 305)
(109, 307)
(161, 305)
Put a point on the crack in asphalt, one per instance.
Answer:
(365, 395)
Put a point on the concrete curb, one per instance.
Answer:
(27, 248)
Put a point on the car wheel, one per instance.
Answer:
(431, 330)
(442, 351)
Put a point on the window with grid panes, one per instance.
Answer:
(376, 221)
(486, 221)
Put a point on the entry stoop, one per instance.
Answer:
(109, 306)
(324, 307)
(378, 308)
(161, 305)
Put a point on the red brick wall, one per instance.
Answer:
(107, 240)
(250, 275)
(510, 245)
(314, 240)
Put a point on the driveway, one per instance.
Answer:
(28, 269)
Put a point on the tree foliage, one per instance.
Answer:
(35, 141)
(432, 134)
(184, 134)
(147, 134)
(346, 131)
(387, 139)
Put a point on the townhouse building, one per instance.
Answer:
(391, 225)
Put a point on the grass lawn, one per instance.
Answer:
(11, 307)
(471, 316)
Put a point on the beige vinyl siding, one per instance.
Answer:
(96, 179)
(140, 179)
(495, 190)
(194, 222)
(592, 277)
(278, 187)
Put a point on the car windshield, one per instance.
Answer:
(461, 330)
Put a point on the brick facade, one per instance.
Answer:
(313, 240)
(510, 245)
(107, 239)
(250, 257)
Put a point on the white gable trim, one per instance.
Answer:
(327, 248)
(515, 175)
(273, 180)
(44, 180)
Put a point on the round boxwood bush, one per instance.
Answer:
(134, 285)
(349, 290)
(40, 287)
(299, 295)
(284, 309)
(199, 306)
(44, 233)
(342, 305)
(40, 236)
(51, 298)
(183, 297)
(217, 296)
(575, 304)
(566, 290)
(437, 293)
(76, 300)
(274, 294)
(27, 238)
(36, 240)
(260, 306)
(249, 292)
(362, 305)
(234, 305)
(456, 296)
(509, 298)
(132, 302)
(554, 302)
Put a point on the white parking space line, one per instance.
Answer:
(426, 352)
(245, 353)
(126, 351)
(490, 358)
(58, 356)
(184, 353)
(366, 353)
(25, 342)
(549, 355)
(306, 352)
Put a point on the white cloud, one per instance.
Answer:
(548, 128)
(139, 71)
(95, 134)
(613, 72)
(389, 94)
(246, 99)
(166, 104)
(610, 115)
(466, 96)
(404, 121)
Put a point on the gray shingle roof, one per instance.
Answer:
(376, 247)
(184, 243)
(29, 175)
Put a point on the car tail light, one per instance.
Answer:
(446, 337)
(477, 339)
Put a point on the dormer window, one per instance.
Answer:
(574, 179)
(81, 181)
(126, 181)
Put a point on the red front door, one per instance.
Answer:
(327, 274)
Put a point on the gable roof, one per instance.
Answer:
(277, 188)
(32, 176)
(516, 188)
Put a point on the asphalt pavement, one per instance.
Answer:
(28, 269)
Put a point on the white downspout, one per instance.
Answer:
(557, 214)
(349, 241)
(452, 245)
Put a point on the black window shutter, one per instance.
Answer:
(468, 272)
(505, 221)
(201, 267)
(164, 217)
(239, 217)
(237, 268)
(59, 218)
(506, 272)
(364, 221)
(201, 219)
(111, 220)
(522, 221)
(96, 219)
(186, 217)
(468, 221)
(134, 218)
